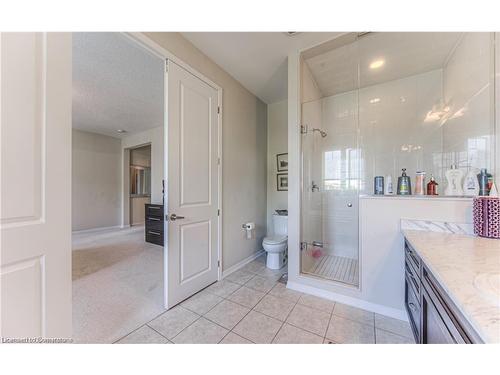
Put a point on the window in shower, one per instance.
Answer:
(374, 104)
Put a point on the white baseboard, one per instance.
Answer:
(239, 265)
(95, 230)
(356, 302)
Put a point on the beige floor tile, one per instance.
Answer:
(396, 326)
(227, 314)
(246, 297)
(289, 334)
(353, 313)
(254, 266)
(233, 338)
(261, 284)
(202, 331)
(275, 307)
(240, 277)
(345, 331)
(384, 337)
(280, 290)
(172, 322)
(144, 335)
(258, 328)
(271, 274)
(311, 320)
(202, 302)
(317, 303)
(223, 288)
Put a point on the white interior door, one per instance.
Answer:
(192, 185)
(35, 204)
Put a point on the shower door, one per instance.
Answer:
(331, 165)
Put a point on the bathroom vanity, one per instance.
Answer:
(154, 224)
(452, 292)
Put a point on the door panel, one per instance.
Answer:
(35, 211)
(192, 170)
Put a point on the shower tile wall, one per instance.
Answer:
(468, 124)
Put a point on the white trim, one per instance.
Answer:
(362, 304)
(244, 262)
(98, 229)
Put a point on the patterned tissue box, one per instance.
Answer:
(486, 212)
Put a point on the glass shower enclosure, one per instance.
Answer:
(372, 104)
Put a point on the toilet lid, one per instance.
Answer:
(274, 240)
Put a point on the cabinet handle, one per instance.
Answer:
(412, 306)
(154, 218)
(154, 208)
(155, 233)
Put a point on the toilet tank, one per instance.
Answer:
(280, 225)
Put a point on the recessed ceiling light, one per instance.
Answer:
(121, 131)
(377, 64)
(374, 100)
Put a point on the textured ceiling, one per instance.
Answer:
(258, 60)
(116, 85)
(348, 67)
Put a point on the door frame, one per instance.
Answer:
(153, 47)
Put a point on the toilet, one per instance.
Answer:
(276, 244)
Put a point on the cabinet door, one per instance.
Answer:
(434, 330)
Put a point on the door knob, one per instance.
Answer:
(174, 217)
(349, 204)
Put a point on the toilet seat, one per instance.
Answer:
(275, 240)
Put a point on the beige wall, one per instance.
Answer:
(95, 181)
(277, 143)
(244, 138)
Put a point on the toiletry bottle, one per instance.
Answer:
(388, 185)
(432, 187)
(378, 185)
(471, 183)
(454, 179)
(404, 184)
(493, 191)
(420, 183)
(482, 179)
(490, 182)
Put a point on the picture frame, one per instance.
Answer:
(282, 162)
(282, 181)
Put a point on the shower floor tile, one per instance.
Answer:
(336, 268)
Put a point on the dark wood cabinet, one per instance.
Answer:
(154, 224)
(434, 318)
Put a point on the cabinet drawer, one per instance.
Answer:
(412, 304)
(154, 223)
(413, 279)
(154, 210)
(154, 236)
(412, 258)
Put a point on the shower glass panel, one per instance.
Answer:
(373, 104)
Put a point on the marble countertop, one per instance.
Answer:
(468, 269)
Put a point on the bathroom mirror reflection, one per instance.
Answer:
(140, 181)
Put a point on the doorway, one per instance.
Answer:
(121, 278)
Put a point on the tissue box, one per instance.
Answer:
(486, 212)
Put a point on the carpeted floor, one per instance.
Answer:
(117, 284)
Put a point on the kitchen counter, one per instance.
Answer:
(468, 269)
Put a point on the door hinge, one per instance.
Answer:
(218, 161)
(218, 263)
(218, 212)
(218, 110)
(166, 65)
